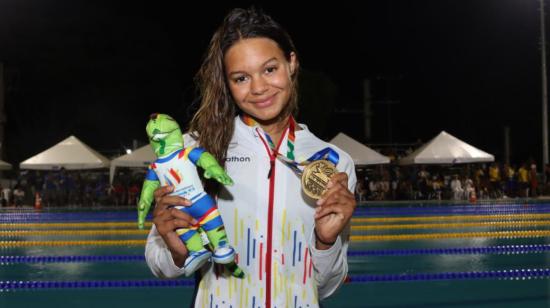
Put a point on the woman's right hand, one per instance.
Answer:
(167, 219)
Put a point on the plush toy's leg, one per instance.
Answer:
(213, 225)
(211, 222)
(223, 252)
(198, 255)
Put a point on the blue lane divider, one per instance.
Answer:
(408, 204)
(455, 207)
(68, 217)
(504, 249)
(69, 259)
(423, 212)
(514, 274)
(360, 211)
(20, 285)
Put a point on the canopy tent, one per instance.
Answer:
(360, 153)
(4, 165)
(71, 154)
(141, 157)
(446, 149)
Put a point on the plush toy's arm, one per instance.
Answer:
(210, 165)
(150, 184)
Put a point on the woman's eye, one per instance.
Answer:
(240, 79)
(271, 69)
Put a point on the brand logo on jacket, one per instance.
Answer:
(238, 159)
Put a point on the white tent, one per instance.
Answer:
(446, 149)
(71, 154)
(360, 153)
(141, 157)
(4, 165)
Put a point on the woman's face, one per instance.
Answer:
(259, 77)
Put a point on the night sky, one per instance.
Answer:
(97, 69)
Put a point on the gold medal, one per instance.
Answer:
(315, 177)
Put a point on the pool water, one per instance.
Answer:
(401, 255)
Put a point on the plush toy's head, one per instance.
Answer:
(164, 134)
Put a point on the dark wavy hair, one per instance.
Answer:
(213, 123)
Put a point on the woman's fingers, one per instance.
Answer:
(163, 200)
(167, 201)
(162, 191)
(335, 208)
(337, 182)
(180, 215)
(323, 211)
(168, 220)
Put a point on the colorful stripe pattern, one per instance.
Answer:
(248, 120)
(291, 268)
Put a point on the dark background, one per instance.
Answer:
(97, 69)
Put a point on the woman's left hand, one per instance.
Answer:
(334, 211)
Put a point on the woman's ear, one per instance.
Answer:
(293, 63)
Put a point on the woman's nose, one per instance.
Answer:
(259, 86)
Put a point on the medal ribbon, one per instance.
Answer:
(289, 159)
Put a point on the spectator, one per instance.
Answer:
(523, 179)
(7, 195)
(494, 179)
(133, 191)
(437, 186)
(469, 189)
(18, 195)
(456, 188)
(533, 179)
(361, 190)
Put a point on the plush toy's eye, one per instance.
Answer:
(160, 136)
(154, 116)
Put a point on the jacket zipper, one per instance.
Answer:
(269, 244)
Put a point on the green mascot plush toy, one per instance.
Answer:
(176, 166)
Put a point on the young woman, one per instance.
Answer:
(291, 248)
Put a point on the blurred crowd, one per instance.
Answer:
(457, 182)
(72, 188)
(384, 182)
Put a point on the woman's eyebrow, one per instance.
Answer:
(263, 64)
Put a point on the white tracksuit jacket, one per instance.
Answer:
(294, 274)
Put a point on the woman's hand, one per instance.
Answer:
(334, 211)
(167, 220)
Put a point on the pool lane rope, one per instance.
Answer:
(68, 225)
(513, 274)
(425, 212)
(11, 244)
(483, 224)
(125, 224)
(130, 216)
(431, 236)
(503, 249)
(5, 260)
(487, 224)
(12, 233)
(354, 238)
(448, 218)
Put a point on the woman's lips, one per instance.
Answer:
(266, 102)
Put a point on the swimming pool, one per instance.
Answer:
(401, 255)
